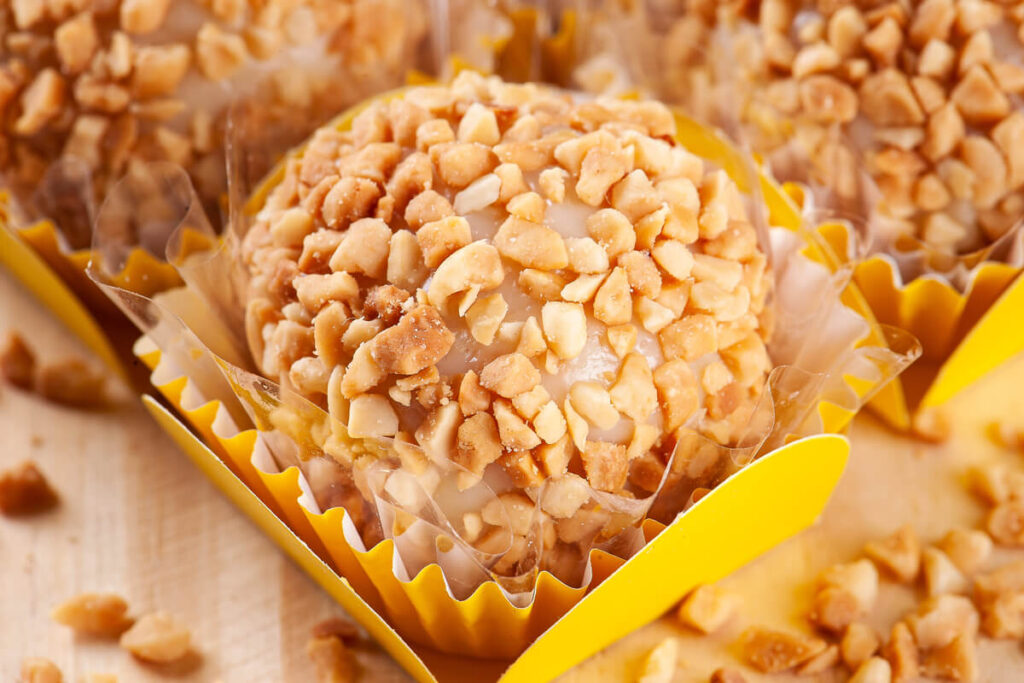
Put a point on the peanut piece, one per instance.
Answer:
(158, 638)
(565, 328)
(531, 244)
(707, 608)
(605, 464)
(899, 554)
(95, 614)
(510, 375)
(39, 670)
(771, 651)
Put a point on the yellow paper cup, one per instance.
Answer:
(430, 633)
(964, 334)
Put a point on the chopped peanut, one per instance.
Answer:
(96, 614)
(937, 621)
(143, 16)
(158, 638)
(594, 403)
(76, 41)
(565, 328)
(940, 574)
(370, 415)
(25, 491)
(159, 69)
(847, 593)
(612, 230)
(40, 103)
(17, 362)
(820, 663)
(660, 663)
(859, 643)
(552, 184)
(219, 54)
(1003, 615)
(901, 654)
(776, 651)
(957, 661)
(515, 433)
(612, 304)
(707, 609)
(1008, 578)
(333, 662)
(606, 465)
(1006, 523)
(622, 339)
(510, 375)
(968, 549)
(441, 238)
(531, 244)
(419, 340)
(726, 675)
(874, 670)
(39, 670)
(899, 554)
(478, 443)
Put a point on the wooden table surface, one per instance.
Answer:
(138, 519)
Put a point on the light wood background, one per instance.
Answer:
(138, 519)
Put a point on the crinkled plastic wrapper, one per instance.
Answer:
(391, 489)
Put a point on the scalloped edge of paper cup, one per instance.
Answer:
(964, 335)
(774, 498)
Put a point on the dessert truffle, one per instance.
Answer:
(522, 285)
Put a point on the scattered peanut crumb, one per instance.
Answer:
(660, 664)
(72, 382)
(820, 663)
(874, 670)
(333, 662)
(859, 643)
(39, 670)
(901, 653)
(1007, 436)
(25, 491)
(337, 627)
(95, 614)
(157, 638)
(932, 426)
(17, 362)
(771, 651)
(898, 554)
(727, 675)
(707, 608)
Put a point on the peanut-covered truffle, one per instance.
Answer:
(538, 289)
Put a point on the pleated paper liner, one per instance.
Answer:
(964, 334)
(765, 503)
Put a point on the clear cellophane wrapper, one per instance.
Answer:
(391, 490)
(720, 51)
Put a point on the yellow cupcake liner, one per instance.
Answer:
(964, 335)
(426, 629)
